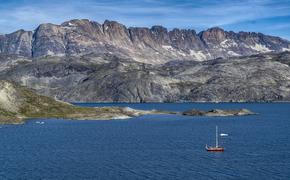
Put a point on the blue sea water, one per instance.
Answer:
(151, 146)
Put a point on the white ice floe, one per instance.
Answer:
(39, 122)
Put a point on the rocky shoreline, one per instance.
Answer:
(18, 103)
(82, 113)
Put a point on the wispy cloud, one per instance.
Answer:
(170, 13)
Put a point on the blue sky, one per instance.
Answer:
(266, 16)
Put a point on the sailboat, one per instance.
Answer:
(217, 148)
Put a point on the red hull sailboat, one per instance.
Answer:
(217, 148)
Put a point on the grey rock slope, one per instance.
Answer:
(106, 78)
(155, 45)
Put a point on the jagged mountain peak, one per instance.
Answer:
(215, 29)
(214, 34)
(112, 22)
(44, 26)
(158, 28)
(153, 45)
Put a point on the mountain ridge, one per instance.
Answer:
(155, 45)
(109, 78)
(84, 61)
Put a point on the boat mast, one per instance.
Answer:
(216, 137)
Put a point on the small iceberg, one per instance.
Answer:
(223, 134)
(39, 122)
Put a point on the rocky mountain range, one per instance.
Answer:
(108, 78)
(155, 45)
(84, 61)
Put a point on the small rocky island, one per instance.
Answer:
(218, 112)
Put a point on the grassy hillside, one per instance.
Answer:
(18, 103)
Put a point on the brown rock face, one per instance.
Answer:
(185, 39)
(213, 36)
(117, 33)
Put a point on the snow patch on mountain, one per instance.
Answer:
(232, 53)
(228, 43)
(285, 49)
(168, 48)
(260, 48)
(198, 55)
